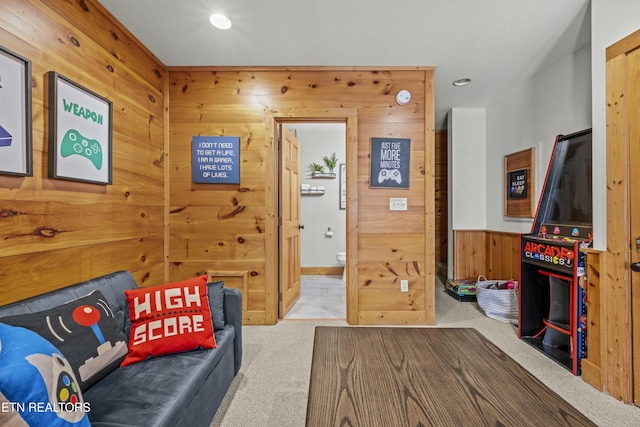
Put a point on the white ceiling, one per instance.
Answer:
(496, 43)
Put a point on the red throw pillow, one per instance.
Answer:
(169, 318)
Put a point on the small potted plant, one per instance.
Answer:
(331, 162)
(316, 169)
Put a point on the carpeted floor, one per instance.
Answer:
(272, 387)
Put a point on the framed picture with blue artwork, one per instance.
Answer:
(15, 114)
(79, 132)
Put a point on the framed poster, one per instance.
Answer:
(15, 114)
(517, 182)
(215, 159)
(519, 185)
(390, 158)
(79, 132)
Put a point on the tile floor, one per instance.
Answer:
(321, 297)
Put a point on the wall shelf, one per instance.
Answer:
(323, 176)
(311, 193)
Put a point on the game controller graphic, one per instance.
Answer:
(61, 384)
(5, 137)
(74, 143)
(389, 174)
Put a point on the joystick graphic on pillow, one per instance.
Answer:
(87, 315)
(74, 143)
(392, 174)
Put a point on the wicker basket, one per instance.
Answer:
(499, 304)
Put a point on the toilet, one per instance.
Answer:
(342, 260)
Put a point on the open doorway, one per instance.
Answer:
(323, 221)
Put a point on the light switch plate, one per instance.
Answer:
(404, 286)
(398, 203)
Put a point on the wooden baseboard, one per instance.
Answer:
(321, 271)
(591, 374)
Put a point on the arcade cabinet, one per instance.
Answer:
(552, 280)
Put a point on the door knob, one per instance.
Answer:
(636, 267)
(301, 227)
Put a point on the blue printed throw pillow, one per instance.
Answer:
(37, 384)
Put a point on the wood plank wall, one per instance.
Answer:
(54, 233)
(233, 227)
(469, 254)
(493, 254)
(616, 295)
(592, 366)
(441, 202)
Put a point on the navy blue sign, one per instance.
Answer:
(215, 159)
(390, 162)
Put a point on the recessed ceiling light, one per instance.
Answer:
(220, 21)
(462, 82)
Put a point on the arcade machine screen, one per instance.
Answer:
(552, 300)
(567, 196)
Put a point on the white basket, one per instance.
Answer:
(499, 304)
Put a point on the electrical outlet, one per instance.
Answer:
(404, 286)
(398, 204)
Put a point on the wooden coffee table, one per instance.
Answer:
(374, 376)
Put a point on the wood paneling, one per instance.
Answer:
(503, 255)
(592, 366)
(233, 279)
(469, 255)
(199, 227)
(441, 202)
(55, 233)
(624, 46)
(492, 254)
(246, 102)
(612, 363)
(616, 296)
(34, 273)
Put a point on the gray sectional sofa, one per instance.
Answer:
(183, 389)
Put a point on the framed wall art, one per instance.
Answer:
(390, 161)
(215, 159)
(519, 174)
(80, 132)
(15, 115)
